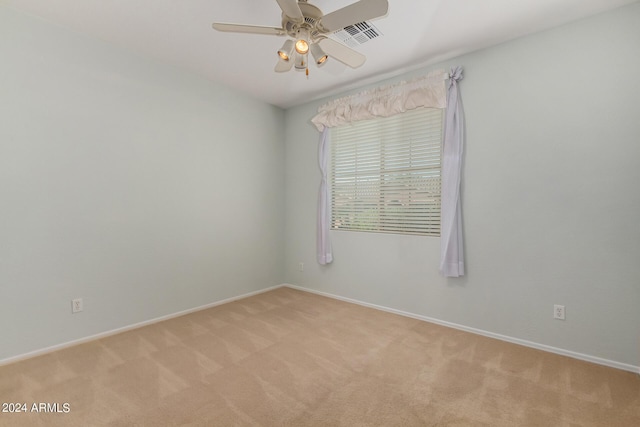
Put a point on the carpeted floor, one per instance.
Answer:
(291, 358)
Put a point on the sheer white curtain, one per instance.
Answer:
(323, 241)
(451, 243)
(428, 91)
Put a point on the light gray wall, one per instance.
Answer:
(550, 200)
(137, 186)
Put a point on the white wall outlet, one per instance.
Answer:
(76, 305)
(301, 266)
(558, 312)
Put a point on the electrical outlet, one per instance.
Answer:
(301, 266)
(558, 312)
(76, 305)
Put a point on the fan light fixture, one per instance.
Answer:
(302, 47)
(286, 50)
(318, 54)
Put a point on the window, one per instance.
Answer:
(385, 174)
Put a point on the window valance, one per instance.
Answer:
(427, 91)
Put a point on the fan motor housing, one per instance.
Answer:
(312, 15)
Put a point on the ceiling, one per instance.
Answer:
(414, 34)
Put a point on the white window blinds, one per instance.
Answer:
(385, 174)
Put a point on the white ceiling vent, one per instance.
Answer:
(356, 34)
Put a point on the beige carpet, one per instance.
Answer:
(291, 358)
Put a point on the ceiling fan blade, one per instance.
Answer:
(283, 66)
(291, 9)
(250, 29)
(342, 53)
(357, 12)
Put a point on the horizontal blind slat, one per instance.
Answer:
(385, 174)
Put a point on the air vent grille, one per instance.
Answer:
(356, 34)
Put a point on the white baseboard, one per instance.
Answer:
(543, 347)
(67, 344)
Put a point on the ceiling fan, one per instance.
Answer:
(307, 29)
